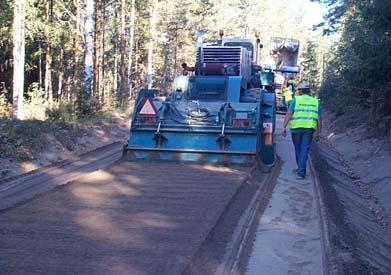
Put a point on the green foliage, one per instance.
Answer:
(23, 139)
(34, 103)
(65, 112)
(5, 44)
(310, 68)
(18, 137)
(358, 73)
(5, 107)
(336, 10)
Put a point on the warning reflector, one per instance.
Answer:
(148, 108)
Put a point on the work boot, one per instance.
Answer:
(300, 177)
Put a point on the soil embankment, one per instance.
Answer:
(355, 181)
(29, 145)
(366, 153)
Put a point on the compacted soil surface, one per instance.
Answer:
(129, 218)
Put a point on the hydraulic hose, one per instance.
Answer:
(201, 116)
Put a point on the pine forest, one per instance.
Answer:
(84, 56)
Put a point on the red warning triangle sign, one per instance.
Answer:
(148, 108)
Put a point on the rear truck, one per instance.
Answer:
(223, 113)
(284, 55)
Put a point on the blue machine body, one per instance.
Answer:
(212, 116)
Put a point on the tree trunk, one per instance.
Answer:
(18, 31)
(131, 45)
(61, 69)
(176, 48)
(123, 77)
(151, 44)
(114, 95)
(69, 88)
(101, 60)
(165, 68)
(98, 53)
(40, 65)
(76, 54)
(48, 58)
(95, 81)
(48, 74)
(115, 77)
(89, 49)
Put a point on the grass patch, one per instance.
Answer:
(22, 139)
(19, 138)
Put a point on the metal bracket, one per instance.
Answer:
(223, 140)
(158, 137)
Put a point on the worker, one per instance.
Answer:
(291, 83)
(288, 95)
(304, 115)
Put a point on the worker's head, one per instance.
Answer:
(303, 88)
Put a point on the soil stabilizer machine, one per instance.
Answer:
(222, 112)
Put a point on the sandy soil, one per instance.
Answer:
(354, 173)
(78, 140)
(366, 154)
(114, 222)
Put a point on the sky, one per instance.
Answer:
(266, 15)
(314, 11)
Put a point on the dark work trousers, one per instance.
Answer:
(302, 142)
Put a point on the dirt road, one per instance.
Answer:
(132, 218)
(170, 218)
(26, 186)
(330, 223)
(287, 239)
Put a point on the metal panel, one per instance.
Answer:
(234, 85)
(222, 55)
(244, 143)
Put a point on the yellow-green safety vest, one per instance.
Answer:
(287, 94)
(305, 113)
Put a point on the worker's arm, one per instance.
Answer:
(287, 118)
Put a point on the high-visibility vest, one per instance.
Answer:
(287, 94)
(305, 113)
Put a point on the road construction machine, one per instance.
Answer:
(222, 112)
(284, 54)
